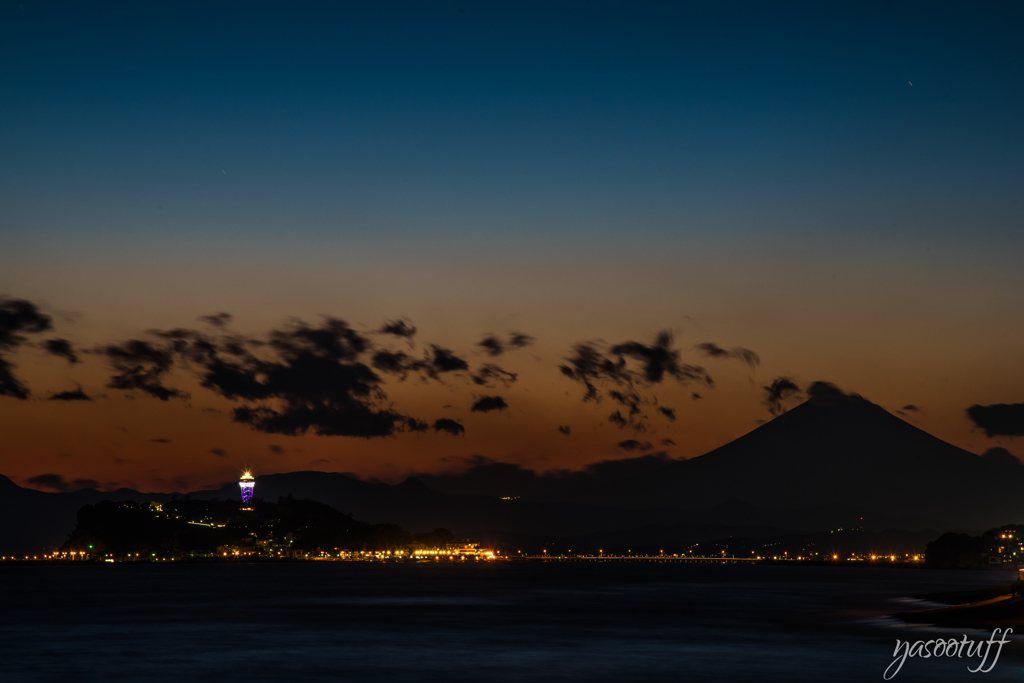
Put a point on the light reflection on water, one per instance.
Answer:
(496, 621)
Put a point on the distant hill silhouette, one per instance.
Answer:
(35, 521)
(500, 479)
(836, 460)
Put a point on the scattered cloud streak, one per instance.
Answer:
(17, 319)
(398, 328)
(626, 370)
(776, 394)
(745, 356)
(490, 374)
(219, 320)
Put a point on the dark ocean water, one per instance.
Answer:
(476, 622)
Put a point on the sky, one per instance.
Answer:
(837, 188)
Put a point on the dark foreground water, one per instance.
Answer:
(477, 622)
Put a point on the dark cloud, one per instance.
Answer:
(219, 452)
(911, 408)
(617, 419)
(495, 347)
(275, 449)
(414, 425)
(9, 384)
(142, 366)
(62, 348)
(588, 366)
(670, 413)
(321, 379)
(316, 380)
(444, 360)
(437, 361)
(393, 362)
(564, 429)
(695, 396)
(332, 339)
(999, 419)
(160, 440)
(491, 345)
(17, 318)
(298, 378)
(71, 395)
(217, 319)
(660, 359)
(745, 356)
(57, 482)
(630, 445)
(1002, 455)
(777, 392)
(347, 418)
(518, 340)
(595, 370)
(398, 328)
(668, 442)
(486, 404)
(451, 426)
(630, 400)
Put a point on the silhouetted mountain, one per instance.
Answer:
(829, 462)
(35, 521)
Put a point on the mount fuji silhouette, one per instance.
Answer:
(835, 459)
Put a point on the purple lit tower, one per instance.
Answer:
(247, 483)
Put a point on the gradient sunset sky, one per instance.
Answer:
(837, 187)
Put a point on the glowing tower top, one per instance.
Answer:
(247, 483)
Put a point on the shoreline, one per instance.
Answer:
(985, 608)
(564, 559)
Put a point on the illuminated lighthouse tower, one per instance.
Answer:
(247, 483)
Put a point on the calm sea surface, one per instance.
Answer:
(493, 622)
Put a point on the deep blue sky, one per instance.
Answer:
(516, 116)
